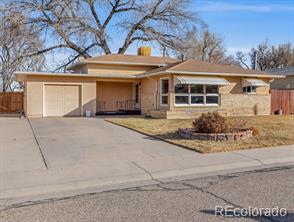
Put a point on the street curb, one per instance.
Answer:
(74, 188)
(39, 192)
(220, 172)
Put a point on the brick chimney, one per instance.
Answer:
(144, 51)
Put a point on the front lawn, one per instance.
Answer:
(274, 131)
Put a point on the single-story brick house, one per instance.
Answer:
(161, 87)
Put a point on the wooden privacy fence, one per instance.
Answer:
(282, 100)
(11, 102)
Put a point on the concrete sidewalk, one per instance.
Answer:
(16, 187)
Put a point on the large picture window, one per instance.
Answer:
(182, 88)
(197, 89)
(163, 92)
(196, 95)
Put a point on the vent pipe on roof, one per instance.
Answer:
(254, 64)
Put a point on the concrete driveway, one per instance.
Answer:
(58, 157)
(18, 148)
(79, 141)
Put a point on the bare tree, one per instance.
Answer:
(242, 59)
(203, 45)
(282, 55)
(264, 57)
(18, 49)
(87, 26)
(268, 56)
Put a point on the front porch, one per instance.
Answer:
(118, 98)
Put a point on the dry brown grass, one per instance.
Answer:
(274, 131)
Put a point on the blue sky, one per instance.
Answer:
(242, 23)
(246, 23)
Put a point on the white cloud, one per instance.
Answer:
(208, 6)
(233, 50)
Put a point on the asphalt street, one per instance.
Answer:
(188, 200)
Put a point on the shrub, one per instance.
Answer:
(216, 123)
(211, 123)
(255, 131)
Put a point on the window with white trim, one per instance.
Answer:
(196, 95)
(164, 92)
(249, 89)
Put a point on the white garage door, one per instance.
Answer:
(62, 100)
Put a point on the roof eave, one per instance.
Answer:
(213, 73)
(114, 63)
(21, 75)
(77, 64)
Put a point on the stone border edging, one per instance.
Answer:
(188, 133)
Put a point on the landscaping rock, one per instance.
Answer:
(188, 133)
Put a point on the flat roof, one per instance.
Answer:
(20, 75)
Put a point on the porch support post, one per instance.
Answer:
(171, 94)
(171, 101)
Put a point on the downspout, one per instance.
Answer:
(270, 84)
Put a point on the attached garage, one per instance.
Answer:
(62, 100)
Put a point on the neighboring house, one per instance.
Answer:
(284, 83)
(161, 87)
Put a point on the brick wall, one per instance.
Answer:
(246, 104)
(231, 105)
